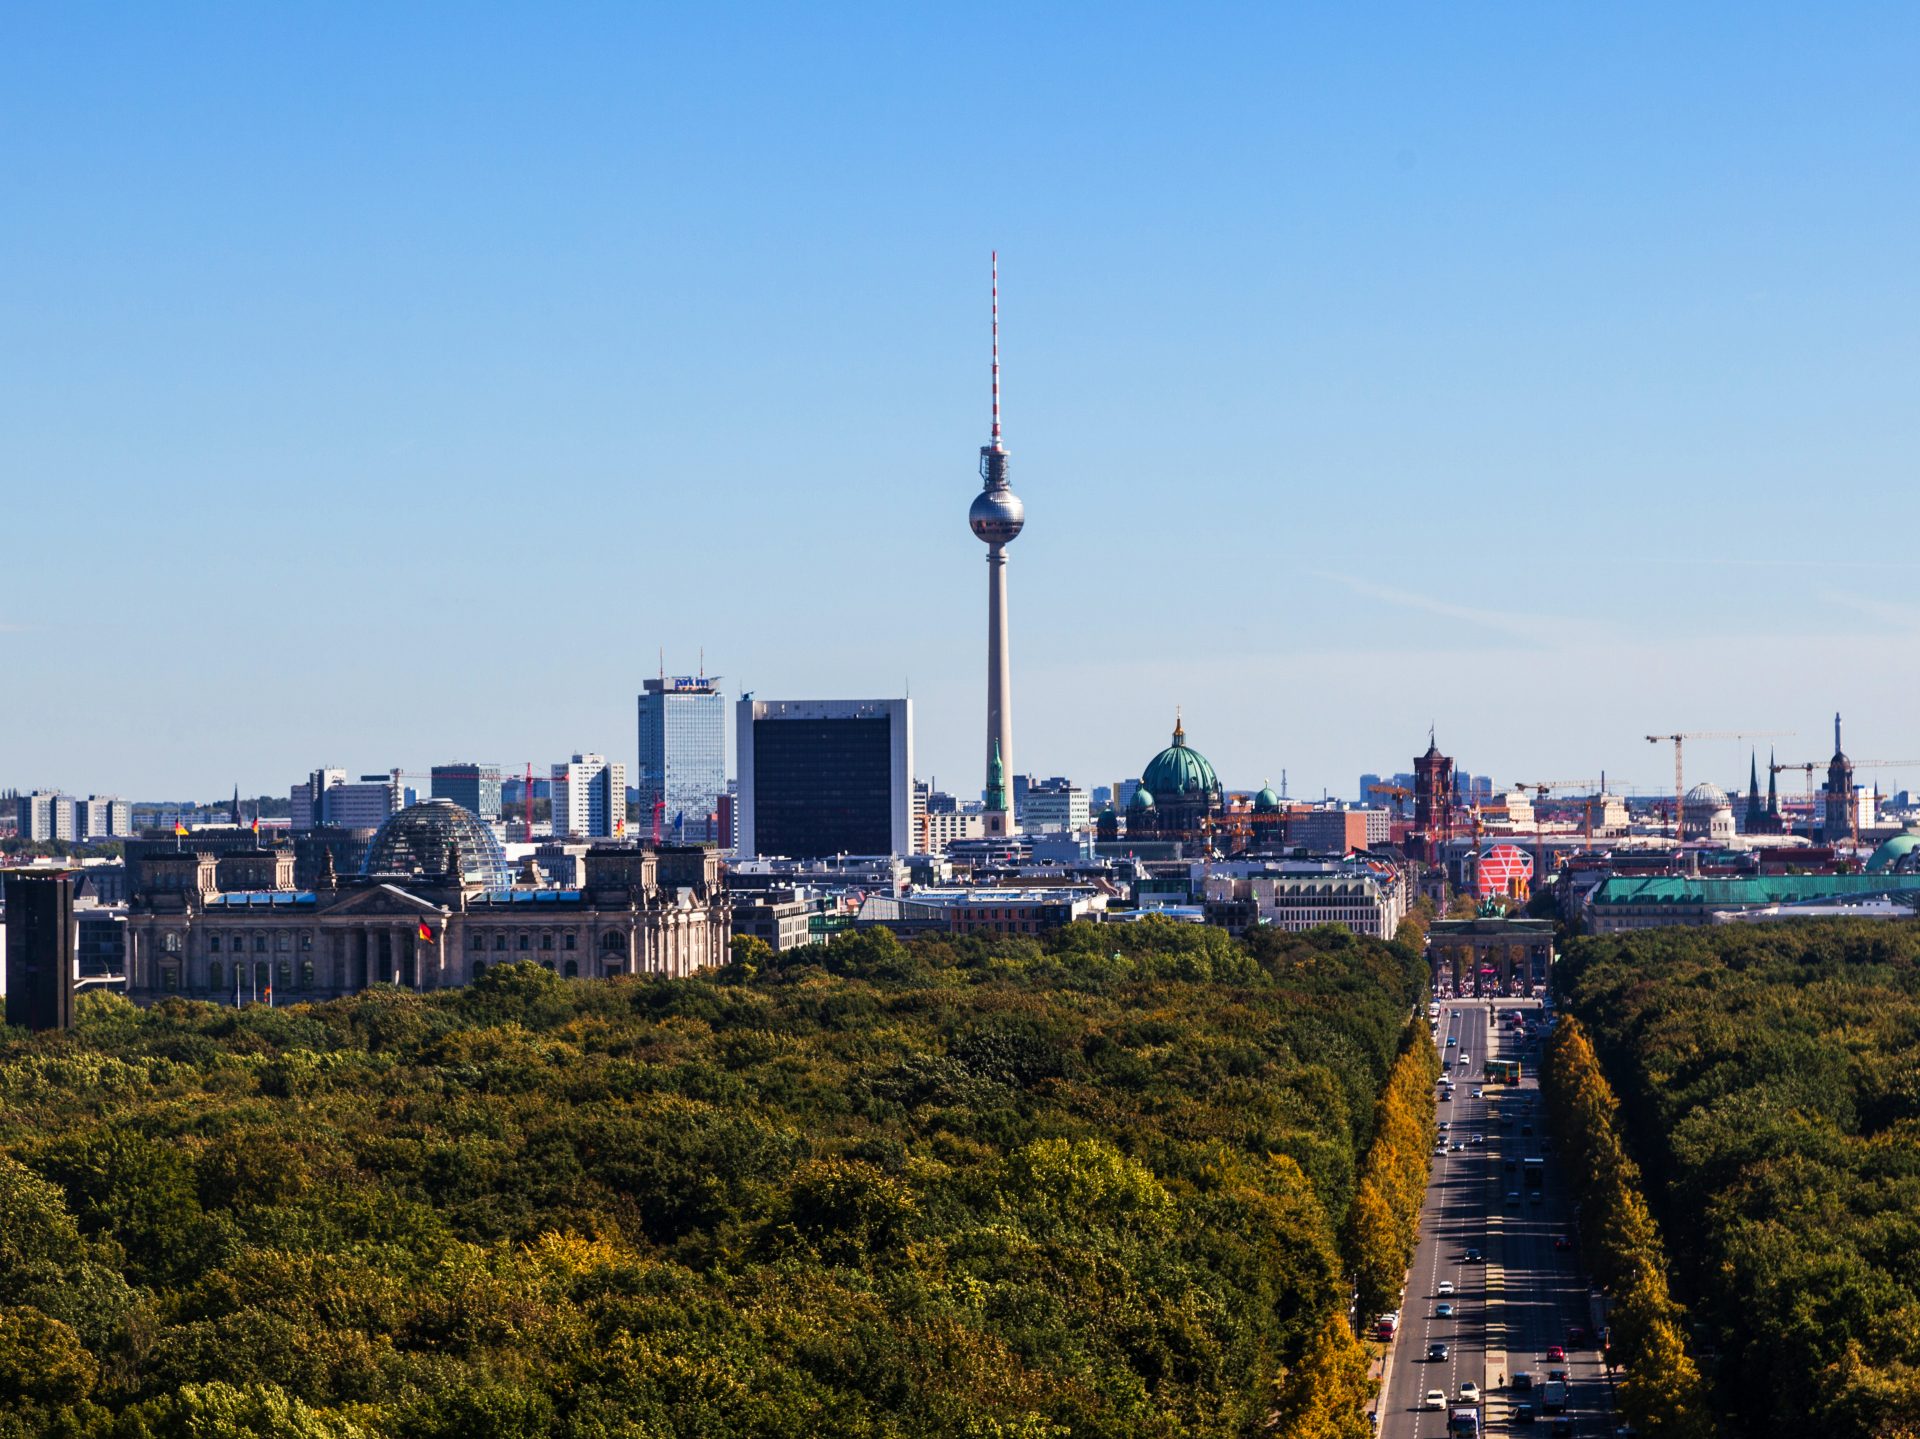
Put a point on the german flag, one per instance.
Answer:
(426, 932)
(179, 828)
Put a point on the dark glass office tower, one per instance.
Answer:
(825, 777)
(41, 940)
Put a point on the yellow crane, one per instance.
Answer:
(1679, 774)
(1398, 793)
(1853, 810)
(1541, 789)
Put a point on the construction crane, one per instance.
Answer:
(1541, 790)
(1679, 774)
(1853, 810)
(1398, 793)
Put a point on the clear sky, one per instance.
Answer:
(385, 384)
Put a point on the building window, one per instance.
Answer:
(169, 977)
(216, 977)
(259, 944)
(171, 943)
(283, 941)
(306, 942)
(546, 941)
(283, 974)
(499, 941)
(566, 940)
(213, 945)
(479, 968)
(611, 942)
(523, 942)
(479, 941)
(306, 974)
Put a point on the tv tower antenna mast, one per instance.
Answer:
(996, 518)
(997, 356)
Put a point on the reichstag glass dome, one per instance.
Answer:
(416, 842)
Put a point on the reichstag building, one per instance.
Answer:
(434, 907)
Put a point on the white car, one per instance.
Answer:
(1446, 1287)
(1436, 1399)
(1469, 1393)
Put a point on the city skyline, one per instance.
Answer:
(1486, 363)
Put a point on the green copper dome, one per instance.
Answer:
(1890, 854)
(1178, 770)
(1142, 798)
(1265, 801)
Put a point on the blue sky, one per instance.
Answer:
(386, 384)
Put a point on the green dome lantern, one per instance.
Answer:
(1265, 801)
(1142, 798)
(1178, 770)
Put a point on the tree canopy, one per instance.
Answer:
(1091, 1186)
(1768, 1088)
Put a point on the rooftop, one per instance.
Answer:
(1748, 889)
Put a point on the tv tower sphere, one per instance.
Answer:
(997, 515)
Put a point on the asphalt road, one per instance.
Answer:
(1524, 1294)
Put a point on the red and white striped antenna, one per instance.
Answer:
(996, 349)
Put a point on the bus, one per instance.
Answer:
(1503, 1071)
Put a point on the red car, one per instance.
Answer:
(1554, 1351)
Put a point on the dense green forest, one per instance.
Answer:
(1089, 1187)
(1769, 1080)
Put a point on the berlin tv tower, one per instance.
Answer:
(996, 517)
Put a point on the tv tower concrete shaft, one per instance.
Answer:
(999, 695)
(996, 517)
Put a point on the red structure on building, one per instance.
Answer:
(1504, 869)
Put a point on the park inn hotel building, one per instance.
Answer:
(434, 908)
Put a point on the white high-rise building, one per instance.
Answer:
(306, 798)
(45, 815)
(368, 804)
(325, 798)
(102, 816)
(590, 797)
(1056, 805)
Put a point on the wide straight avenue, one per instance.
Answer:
(1494, 1299)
